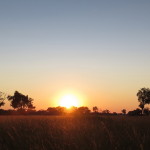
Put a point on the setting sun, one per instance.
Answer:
(69, 101)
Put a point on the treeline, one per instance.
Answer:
(50, 111)
(23, 104)
(77, 111)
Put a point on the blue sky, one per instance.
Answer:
(75, 44)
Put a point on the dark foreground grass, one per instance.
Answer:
(74, 133)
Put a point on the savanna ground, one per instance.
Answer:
(74, 133)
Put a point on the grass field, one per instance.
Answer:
(74, 133)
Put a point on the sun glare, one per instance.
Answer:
(69, 101)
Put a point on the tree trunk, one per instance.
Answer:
(143, 111)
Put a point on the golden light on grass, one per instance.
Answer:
(69, 100)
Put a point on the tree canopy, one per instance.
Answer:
(95, 109)
(143, 97)
(20, 101)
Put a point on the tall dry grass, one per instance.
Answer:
(74, 133)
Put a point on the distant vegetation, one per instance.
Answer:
(23, 104)
(77, 128)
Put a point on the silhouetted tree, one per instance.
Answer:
(2, 98)
(143, 97)
(56, 110)
(52, 111)
(141, 105)
(61, 110)
(20, 101)
(106, 111)
(95, 109)
(83, 110)
(135, 112)
(123, 111)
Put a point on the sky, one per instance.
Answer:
(96, 49)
